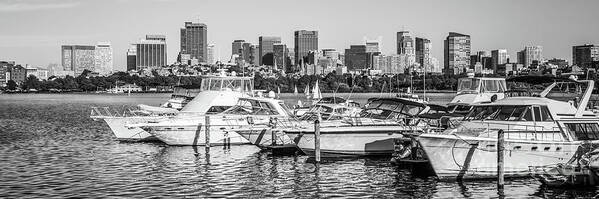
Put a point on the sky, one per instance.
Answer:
(32, 31)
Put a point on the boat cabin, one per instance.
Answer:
(392, 108)
(227, 83)
(472, 90)
(259, 106)
(329, 112)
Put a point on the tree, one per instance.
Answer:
(11, 85)
(31, 82)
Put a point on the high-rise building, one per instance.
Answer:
(305, 41)
(281, 54)
(78, 58)
(373, 45)
(246, 52)
(531, 56)
(423, 52)
(266, 46)
(104, 63)
(585, 56)
(131, 57)
(254, 54)
(150, 52)
(499, 57)
(457, 53)
(4, 68)
(194, 41)
(210, 59)
(356, 57)
(18, 73)
(237, 47)
(405, 43)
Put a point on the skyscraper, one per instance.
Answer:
(237, 47)
(194, 40)
(457, 53)
(356, 57)
(585, 56)
(266, 46)
(499, 57)
(150, 52)
(254, 54)
(423, 52)
(210, 59)
(281, 54)
(103, 54)
(373, 46)
(78, 58)
(405, 43)
(246, 52)
(305, 41)
(131, 57)
(530, 55)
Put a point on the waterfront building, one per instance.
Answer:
(42, 74)
(356, 57)
(4, 72)
(210, 59)
(194, 41)
(149, 52)
(305, 41)
(246, 54)
(560, 63)
(499, 57)
(423, 52)
(254, 54)
(531, 56)
(585, 56)
(265, 44)
(237, 47)
(78, 58)
(456, 53)
(17, 73)
(281, 56)
(405, 43)
(103, 56)
(373, 46)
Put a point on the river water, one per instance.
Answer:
(50, 148)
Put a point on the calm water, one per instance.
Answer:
(50, 148)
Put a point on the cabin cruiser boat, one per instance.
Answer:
(181, 96)
(539, 132)
(217, 93)
(371, 133)
(249, 114)
(301, 110)
(474, 90)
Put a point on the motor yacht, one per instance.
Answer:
(474, 90)
(539, 132)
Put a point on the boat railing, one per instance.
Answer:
(108, 112)
(512, 131)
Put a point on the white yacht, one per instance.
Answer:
(371, 133)
(539, 131)
(217, 93)
(476, 89)
(249, 114)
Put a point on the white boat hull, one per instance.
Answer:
(117, 125)
(191, 136)
(349, 140)
(454, 158)
(262, 137)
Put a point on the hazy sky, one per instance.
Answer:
(32, 31)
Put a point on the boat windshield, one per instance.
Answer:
(227, 84)
(509, 113)
(252, 107)
(390, 109)
(476, 85)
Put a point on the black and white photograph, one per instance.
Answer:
(299, 99)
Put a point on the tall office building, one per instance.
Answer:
(305, 41)
(356, 57)
(254, 54)
(246, 52)
(78, 58)
(131, 57)
(265, 44)
(194, 41)
(150, 52)
(456, 53)
(210, 56)
(237, 47)
(585, 56)
(531, 56)
(281, 54)
(405, 43)
(423, 52)
(499, 57)
(104, 63)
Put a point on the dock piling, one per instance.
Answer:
(273, 138)
(207, 130)
(317, 140)
(500, 153)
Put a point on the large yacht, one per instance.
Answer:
(539, 131)
(254, 113)
(217, 93)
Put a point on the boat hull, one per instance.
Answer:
(457, 158)
(191, 135)
(263, 137)
(117, 125)
(349, 141)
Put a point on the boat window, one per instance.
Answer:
(217, 109)
(545, 115)
(527, 114)
(506, 113)
(411, 109)
(340, 110)
(493, 85)
(468, 85)
(215, 84)
(583, 131)
(537, 111)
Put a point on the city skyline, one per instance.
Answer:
(40, 27)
